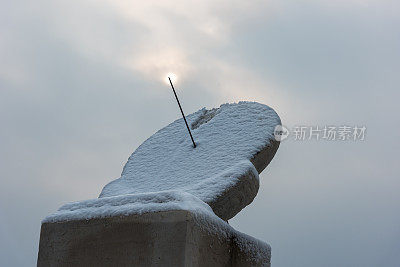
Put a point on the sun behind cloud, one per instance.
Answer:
(173, 77)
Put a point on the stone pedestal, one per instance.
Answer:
(164, 238)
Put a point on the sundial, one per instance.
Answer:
(234, 143)
(174, 196)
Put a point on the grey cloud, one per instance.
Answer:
(81, 87)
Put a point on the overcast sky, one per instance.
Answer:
(81, 86)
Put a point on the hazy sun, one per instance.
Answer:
(173, 77)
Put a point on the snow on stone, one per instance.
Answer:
(166, 173)
(129, 204)
(126, 205)
(226, 137)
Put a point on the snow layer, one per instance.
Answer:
(227, 138)
(166, 173)
(129, 204)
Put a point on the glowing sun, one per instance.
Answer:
(173, 77)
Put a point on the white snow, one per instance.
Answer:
(166, 173)
(129, 204)
(227, 138)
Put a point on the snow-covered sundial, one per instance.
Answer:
(174, 196)
(234, 143)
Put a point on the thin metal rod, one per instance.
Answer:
(183, 115)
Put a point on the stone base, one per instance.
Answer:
(165, 238)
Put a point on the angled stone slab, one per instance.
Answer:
(235, 142)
